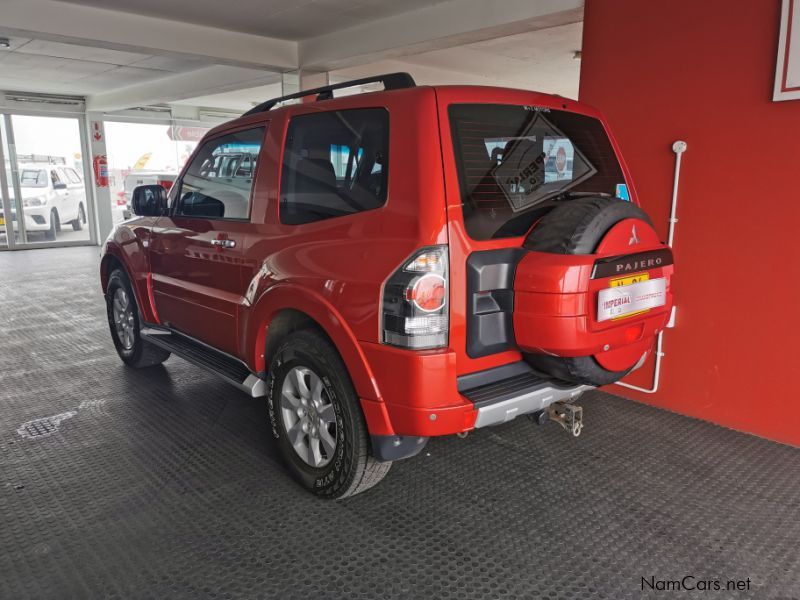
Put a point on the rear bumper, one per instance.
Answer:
(514, 390)
(422, 396)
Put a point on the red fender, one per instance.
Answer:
(128, 248)
(289, 296)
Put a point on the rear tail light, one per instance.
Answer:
(415, 302)
(165, 183)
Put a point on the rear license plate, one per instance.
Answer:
(630, 295)
(2, 220)
(629, 280)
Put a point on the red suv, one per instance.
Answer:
(389, 266)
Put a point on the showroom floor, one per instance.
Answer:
(164, 484)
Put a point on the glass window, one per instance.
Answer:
(54, 176)
(514, 162)
(219, 181)
(63, 175)
(72, 176)
(145, 154)
(334, 164)
(30, 177)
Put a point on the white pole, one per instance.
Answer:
(678, 148)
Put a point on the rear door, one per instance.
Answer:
(196, 253)
(61, 194)
(509, 156)
(76, 193)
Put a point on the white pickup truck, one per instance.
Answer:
(52, 196)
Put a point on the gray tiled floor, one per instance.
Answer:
(164, 484)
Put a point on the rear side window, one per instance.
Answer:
(219, 181)
(514, 162)
(334, 164)
(72, 176)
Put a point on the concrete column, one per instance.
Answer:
(102, 195)
(290, 83)
(313, 79)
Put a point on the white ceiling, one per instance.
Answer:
(284, 19)
(239, 100)
(541, 60)
(135, 75)
(58, 68)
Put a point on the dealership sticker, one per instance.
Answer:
(625, 300)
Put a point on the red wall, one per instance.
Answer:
(703, 72)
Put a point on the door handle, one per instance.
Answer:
(224, 243)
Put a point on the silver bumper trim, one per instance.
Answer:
(527, 402)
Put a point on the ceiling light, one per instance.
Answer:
(5, 43)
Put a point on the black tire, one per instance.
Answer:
(77, 224)
(50, 234)
(352, 469)
(142, 353)
(577, 227)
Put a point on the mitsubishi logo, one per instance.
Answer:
(634, 238)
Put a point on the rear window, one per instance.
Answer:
(334, 164)
(32, 178)
(515, 162)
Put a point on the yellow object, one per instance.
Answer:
(142, 161)
(629, 280)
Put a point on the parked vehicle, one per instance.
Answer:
(52, 196)
(396, 265)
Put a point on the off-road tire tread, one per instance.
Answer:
(365, 471)
(582, 369)
(579, 225)
(147, 354)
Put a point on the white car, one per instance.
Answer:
(52, 196)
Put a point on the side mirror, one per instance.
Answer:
(59, 185)
(149, 201)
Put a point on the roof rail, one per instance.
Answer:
(390, 81)
(41, 158)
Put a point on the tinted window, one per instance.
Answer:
(219, 181)
(514, 162)
(334, 164)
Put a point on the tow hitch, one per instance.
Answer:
(569, 416)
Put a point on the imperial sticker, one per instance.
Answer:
(619, 301)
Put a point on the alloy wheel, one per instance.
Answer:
(124, 322)
(308, 417)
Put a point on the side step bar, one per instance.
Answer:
(226, 366)
(506, 392)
